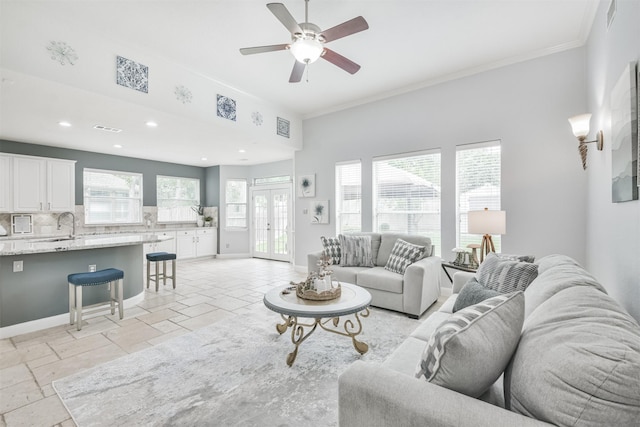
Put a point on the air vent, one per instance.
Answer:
(611, 13)
(107, 129)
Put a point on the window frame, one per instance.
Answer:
(462, 215)
(113, 212)
(339, 199)
(435, 233)
(192, 216)
(245, 204)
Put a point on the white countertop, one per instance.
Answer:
(59, 244)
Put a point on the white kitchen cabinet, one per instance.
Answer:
(6, 180)
(196, 242)
(163, 246)
(41, 184)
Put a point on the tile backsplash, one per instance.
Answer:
(47, 223)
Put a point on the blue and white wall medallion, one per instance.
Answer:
(283, 127)
(226, 108)
(132, 74)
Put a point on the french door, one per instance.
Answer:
(271, 218)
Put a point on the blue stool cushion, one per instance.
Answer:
(95, 277)
(160, 256)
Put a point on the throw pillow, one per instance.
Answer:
(331, 248)
(524, 258)
(469, 351)
(472, 293)
(403, 255)
(355, 251)
(505, 275)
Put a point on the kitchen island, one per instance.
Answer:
(37, 297)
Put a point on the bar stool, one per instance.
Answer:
(156, 257)
(77, 281)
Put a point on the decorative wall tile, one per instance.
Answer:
(183, 94)
(283, 127)
(132, 74)
(256, 118)
(226, 108)
(62, 52)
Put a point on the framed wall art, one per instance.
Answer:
(319, 212)
(306, 185)
(624, 136)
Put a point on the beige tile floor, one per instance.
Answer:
(207, 291)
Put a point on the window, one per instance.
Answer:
(477, 186)
(176, 197)
(112, 197)
(348, 197)
(272, 180)
(406, 195)
(236, 203)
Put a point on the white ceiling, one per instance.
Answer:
(409, 44)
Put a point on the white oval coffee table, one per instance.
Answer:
(353, 300)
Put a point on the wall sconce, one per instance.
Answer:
(487, 222)
(580, 127)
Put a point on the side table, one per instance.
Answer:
(453, 266)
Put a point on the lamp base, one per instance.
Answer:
(486, 247)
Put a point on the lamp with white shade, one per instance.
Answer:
(487, 222)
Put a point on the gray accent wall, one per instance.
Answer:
(524, 105)
(87, 159)
(612, 229)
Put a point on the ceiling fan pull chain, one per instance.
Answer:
(307, 67)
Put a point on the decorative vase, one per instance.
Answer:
(200, 221)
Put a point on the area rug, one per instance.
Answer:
(231, 373)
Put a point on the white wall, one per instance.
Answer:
(613, 229)
(525, 105)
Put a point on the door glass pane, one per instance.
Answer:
(280, 223)
(260, 210)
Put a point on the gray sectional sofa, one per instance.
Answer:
(412, 293)
(577, 363)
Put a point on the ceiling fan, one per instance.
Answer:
(308, 40)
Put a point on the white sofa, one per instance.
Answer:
(412, 293)
(577, 363)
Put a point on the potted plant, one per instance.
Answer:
(207, 221)
(199, 210)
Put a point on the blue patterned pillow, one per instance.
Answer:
(332, 248)
(403, 255)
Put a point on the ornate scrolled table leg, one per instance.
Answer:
(350, 329)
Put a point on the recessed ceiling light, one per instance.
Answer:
(117, 146)
(242, 150)
(152, 124)
(65, 124)
(204, 158)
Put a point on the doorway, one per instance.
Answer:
(271, 223)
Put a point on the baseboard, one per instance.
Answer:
(232, 256)
(50, 322)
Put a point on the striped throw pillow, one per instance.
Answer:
(470, 350)
(355, 251)
(505, 275)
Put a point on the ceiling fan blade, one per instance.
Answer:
(352, 26)
(336, 59)
(283, 15)
(262, 49)
(296, 73)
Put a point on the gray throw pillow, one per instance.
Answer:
(332, 248)
(469, 351)
(505, 275)
(472, 293)
(355, 251)
(403, 255)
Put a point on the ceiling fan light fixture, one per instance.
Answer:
(306, 50)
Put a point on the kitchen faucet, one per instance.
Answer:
(73, 222)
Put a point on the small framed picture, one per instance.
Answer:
(306, 185)
(319, 212)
